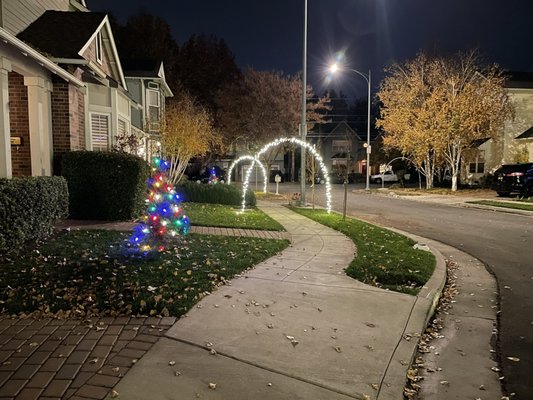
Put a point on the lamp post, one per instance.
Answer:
(368, 78)
(303, 125)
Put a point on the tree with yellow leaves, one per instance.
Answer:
(435, 108)
(187, 132)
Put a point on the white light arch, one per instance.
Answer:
(310, 148)
(251, 158)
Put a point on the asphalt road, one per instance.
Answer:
(503, 241)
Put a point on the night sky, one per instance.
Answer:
(268, 34)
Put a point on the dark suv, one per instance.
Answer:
(514, 178)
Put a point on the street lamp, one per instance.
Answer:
(303, 125)
(368, 78)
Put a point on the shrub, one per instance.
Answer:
(105, 186)
(29, 207)
(214, 194)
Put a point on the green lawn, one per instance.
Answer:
(84, 272)
(203, 214)
(384, 258)
(517, 205)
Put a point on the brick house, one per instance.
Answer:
(62, 86)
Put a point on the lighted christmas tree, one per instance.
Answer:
(213, 178)
(164, 218)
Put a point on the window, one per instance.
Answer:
(99, 47)
(152, 97)
(100, 132)
(341, 145)
(478, 166)
(154, 111)
(122, 127)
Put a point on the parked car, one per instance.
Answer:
(514, 178)
(387, 176)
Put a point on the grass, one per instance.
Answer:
(515, 205)
(80, 273)
(384, 259)
(228, 216)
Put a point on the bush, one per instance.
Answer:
(105, 186)
(29, 207)
(214, 194)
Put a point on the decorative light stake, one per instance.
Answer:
(164, 216)
(292, 140)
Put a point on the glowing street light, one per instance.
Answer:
(333, 69)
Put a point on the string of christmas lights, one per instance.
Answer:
(251, 158)
(164, 216)
(292, 140)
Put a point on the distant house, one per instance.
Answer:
(516, 142)
(62, 85)
(149, 89)
(341, 147)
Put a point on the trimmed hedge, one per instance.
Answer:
(214, 194)
(29, 207)
(105, 185)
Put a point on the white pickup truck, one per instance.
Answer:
(387, 176)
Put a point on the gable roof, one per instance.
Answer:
(26, 50)
(141, 68)
(528, 134)
(149, 69)
(65, 35)
(62, 34)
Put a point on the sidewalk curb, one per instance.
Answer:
(422, 311)
(498, 209)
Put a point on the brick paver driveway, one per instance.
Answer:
(71, 359)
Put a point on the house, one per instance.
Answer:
(516, 142)
(341, 147)
(62, 85)
(149, 89)
(27, 82)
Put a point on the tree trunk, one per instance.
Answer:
(454, 181)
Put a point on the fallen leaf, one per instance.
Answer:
(338, 349)
(172, 363)
(212, 386)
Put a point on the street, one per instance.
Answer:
(502, 241)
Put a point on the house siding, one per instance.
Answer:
(18, 14)
(18, 118)
(90, 55)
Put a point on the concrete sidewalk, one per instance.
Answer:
(294, 327)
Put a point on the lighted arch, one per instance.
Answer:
(299, 142)
(254, 159)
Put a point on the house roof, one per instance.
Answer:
(62, 34)
(528, 134)
(478, 142)
(149, 69)
(8, 38)
(519, 79)
(141, 68)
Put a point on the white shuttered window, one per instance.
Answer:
(100, 132)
